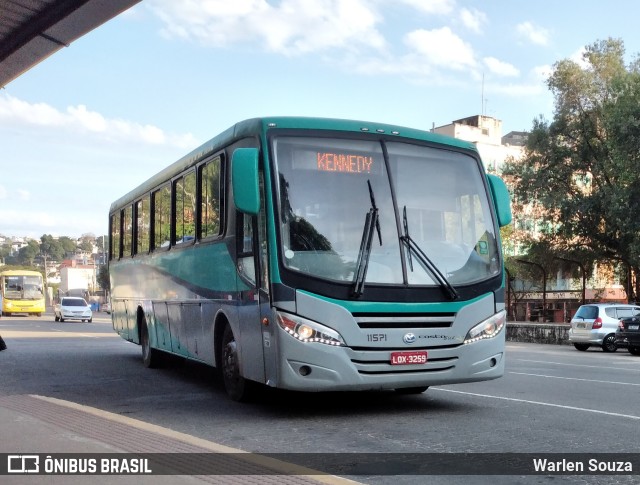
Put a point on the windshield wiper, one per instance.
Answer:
(371, 223)
(413, 247)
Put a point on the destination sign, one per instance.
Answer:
(344, 162)
(337, 160)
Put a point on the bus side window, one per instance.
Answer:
(246, 264)
(246, 256)
(143, 225)
(185, 208)
(162, 217)
(114, 241)
(127, 231)
(210, 204)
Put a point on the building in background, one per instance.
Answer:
(77, 277)
(486, 133)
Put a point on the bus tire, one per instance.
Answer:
(150, 357)
(238, 388)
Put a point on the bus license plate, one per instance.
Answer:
(409, 358)
(634, 327)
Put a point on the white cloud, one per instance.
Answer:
(473, 19)
(26, 219)
(3, 192)
(441, 48)
(533, 86)
(533, 33)
(291, 27)
(501, 68)
(440, 7)
(13, 109)
(579, 58)
(79, 119)
(24, 195)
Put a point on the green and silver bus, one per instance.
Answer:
(317, 255)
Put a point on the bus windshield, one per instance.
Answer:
(434, 197)
(23, 287)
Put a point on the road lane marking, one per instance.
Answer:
(526, 401)
(574, 379)
(578, 365)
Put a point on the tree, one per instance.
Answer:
(103, 277)
(51, 248)
(582, 167)
(28, 253)
(85, 245)
(68, 245)
(103, 243)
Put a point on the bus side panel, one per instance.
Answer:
(161, 326)
(208, 317)
(119, 318)
(131, 308)
(186, 328)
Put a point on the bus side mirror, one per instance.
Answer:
(244, 180)
(501, 199)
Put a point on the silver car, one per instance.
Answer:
(596, 324)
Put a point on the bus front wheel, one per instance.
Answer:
(238, 388)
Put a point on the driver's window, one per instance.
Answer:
(246, 264)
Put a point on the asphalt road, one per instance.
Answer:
(552, 399)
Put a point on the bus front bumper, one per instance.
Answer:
(318, 367)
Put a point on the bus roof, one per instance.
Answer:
(255, 127)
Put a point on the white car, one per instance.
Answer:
(106, 307)
(72, 308)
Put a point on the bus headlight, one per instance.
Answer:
(488, 328)
(308, 331)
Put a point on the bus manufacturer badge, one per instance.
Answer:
(409, 338)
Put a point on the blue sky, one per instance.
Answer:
(96, 119)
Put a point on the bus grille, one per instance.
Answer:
(376, 360)
(404, 320)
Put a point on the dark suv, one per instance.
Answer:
(628, 334)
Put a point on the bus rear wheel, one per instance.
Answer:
(238, 388)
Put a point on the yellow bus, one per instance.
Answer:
(22, 292)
